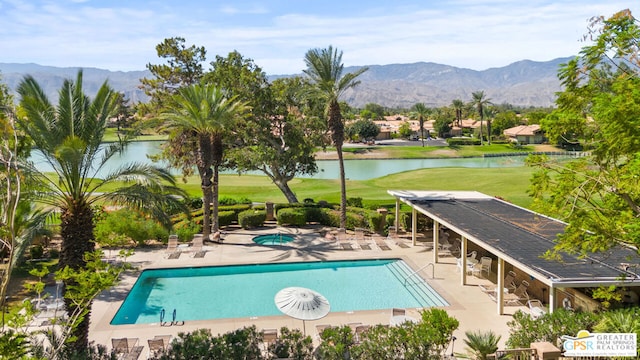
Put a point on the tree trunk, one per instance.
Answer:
(207, 197)
(481, 140)
(76, 229)
(336, 126)
(286, 190)
(488, 131)
(214, 201)
(343, 190)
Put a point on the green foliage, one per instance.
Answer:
(127, 223)
(292, 216)
(200, 344)
(226, 218)
(600, 105)
(549, 327)
(336, 343)
(404, 130)
(14, 345)
(354, 202)
(362, 130)
(292, 344)
(227, 201)
(458, 141)
(187, 230)
(251, 218)
(480, 344)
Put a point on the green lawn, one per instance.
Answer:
(508, 183)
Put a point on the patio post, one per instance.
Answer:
(500, 286)
(436, 240)
(463, 260)
(414, 225)
(397, 218)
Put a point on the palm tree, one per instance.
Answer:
(69, 136)
(422, 111)
(480, 344)
(203, 115)
(324, 68)
(458, 106)
(479, 100)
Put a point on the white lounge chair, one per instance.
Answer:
(509, 283)
(536, 309)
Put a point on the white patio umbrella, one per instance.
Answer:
(302, 303)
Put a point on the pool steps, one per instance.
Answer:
(416, 286)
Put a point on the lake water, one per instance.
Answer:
(327, 169)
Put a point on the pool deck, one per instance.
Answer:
(474, 309)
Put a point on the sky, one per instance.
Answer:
(121, 35)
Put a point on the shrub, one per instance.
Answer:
(224, 200)
(292, 344)
(455, 141)
(251, 218)
(295, 217)
(549, 327)
(128, 223)
(186, 231)
(226, 218)
(354, 201)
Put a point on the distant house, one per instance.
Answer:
(526, 134)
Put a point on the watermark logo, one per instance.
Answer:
(600, 344)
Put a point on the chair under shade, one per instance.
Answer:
(518, 295)
(509, 283)
(484, 266)
(536, 308)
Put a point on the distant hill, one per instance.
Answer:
(525, 83)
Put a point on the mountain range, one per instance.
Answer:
(523, 83)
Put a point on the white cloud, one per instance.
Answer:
(466, 33)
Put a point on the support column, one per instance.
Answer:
(436, 240)
(463, 260)
(500, 286)
(552, 298)
(414, 225)
(397, 219)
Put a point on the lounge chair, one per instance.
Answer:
(269, 336)
(158, 344)
(509, 283)
(172, 247)
(536, 309)
(127, 348)
(398, 312)
(196, 246)
(382, 245)
(518, 295)
(359, 331)
(392, 233)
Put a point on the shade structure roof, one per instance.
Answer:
(521, 237)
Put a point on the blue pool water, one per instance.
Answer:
(272, 239)
(244, 291)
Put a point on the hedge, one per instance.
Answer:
(292, 216)
(251, 218)
(462, 141)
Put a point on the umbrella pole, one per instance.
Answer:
(304, 328)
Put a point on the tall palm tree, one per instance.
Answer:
(422, 111)
(324, 68)
(203, 114)
(69, 136)
(458, 106)
(480, 101)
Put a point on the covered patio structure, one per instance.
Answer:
(517, 239)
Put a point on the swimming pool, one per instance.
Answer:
(243, 291)
(273, 239)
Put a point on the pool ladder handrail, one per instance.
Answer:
(433, 269)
